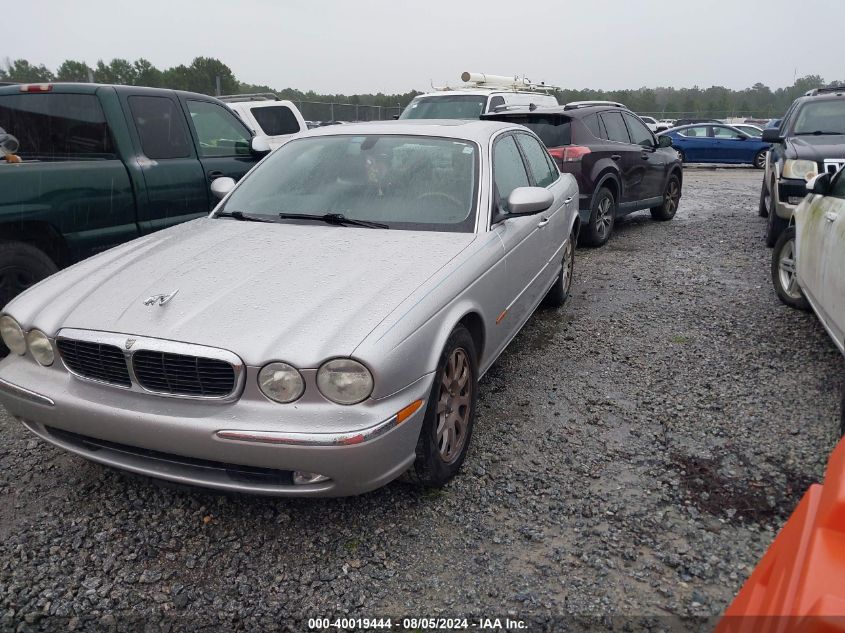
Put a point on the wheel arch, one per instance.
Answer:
(42, 235)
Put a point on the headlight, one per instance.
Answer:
(344, 381)
(280, 382)
(12, 335)
(40, 347)
(800, 169)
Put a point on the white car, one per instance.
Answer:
(809, 258)
(481, 94)
(651, 122)
(267, 115)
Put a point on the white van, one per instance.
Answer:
(267, 115)
(481, 94)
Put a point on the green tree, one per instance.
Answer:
(72, 70)
(21, 70)
(118, 71)
(146, 74)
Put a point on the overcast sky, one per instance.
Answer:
(349, 46)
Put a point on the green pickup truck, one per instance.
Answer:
(102, 165)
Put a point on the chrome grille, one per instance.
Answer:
(96, 361)
(182, 375)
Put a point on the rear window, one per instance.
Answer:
(56, 126)
(276, 120)
(553, 130)
(446, 107)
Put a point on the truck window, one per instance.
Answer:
(161, 127)
(276, 120)
(218, 131)
(56, 126)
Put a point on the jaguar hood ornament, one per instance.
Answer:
(160, 299)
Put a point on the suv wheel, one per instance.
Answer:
(783, 272)
(602, 217)
(671, 198)
(765, 201)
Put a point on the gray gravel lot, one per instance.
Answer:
(635, 453)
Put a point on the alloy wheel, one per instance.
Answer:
(786, 271)
(760, 160)
(604, 217)
(672, 197)
(453, 406)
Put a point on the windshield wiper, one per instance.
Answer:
(337, 219)
(240, 215)
(819, 133)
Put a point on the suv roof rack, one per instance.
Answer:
(252, 96)
(821, 91)
(574, 105)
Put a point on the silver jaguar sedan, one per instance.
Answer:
(321, 332)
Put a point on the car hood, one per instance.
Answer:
(294, 292)
(818, 148)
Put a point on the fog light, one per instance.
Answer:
(302, 478)
(794, 200)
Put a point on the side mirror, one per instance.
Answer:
(740, 137)
(772, 135)
(664, 141)
(819, 185)
(529, 200)
(221, 186)
(259, 145)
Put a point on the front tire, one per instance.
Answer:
(602, 218)
(450, 413)
(760, 159)
(784, 276)
(559, 292)
(776, 225)
(763, 208)
(671, 198)
(681, 156)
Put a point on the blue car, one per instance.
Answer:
(713, 143)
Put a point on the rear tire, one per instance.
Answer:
(671, 199)
(784, 277)
(602, 218)
(559, 292)
(21, 266)
(450, 413)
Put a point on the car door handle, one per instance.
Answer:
(542, 223)
(616, 156)
(830, 216)
(644, 156)
(214, 174)
(568, 200)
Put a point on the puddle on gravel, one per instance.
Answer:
(707, 487)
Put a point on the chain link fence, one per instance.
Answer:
(319, 111)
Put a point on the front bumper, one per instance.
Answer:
(788, 188)
(359, 448)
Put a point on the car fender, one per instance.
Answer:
(606, 171)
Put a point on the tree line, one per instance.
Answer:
(204, 73)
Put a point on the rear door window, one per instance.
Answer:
(615, 126)
(694, 132)
(276, 120)
(535, 155)
(161, 127)
(595, 125)
(56, 126)
(219, 132)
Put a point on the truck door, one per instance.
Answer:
(176, 188)
(223, 142)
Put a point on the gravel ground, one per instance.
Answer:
(634, 455)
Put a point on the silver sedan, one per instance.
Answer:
(322, 332)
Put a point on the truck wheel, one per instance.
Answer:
(763, 209)
(21, 266)
(450, 413)
(776, 225)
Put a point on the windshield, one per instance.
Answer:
(407, 182)
(554, 130)
(446, 107)
(826, 117)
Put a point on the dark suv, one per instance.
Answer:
(809, 141)
(619, 164)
